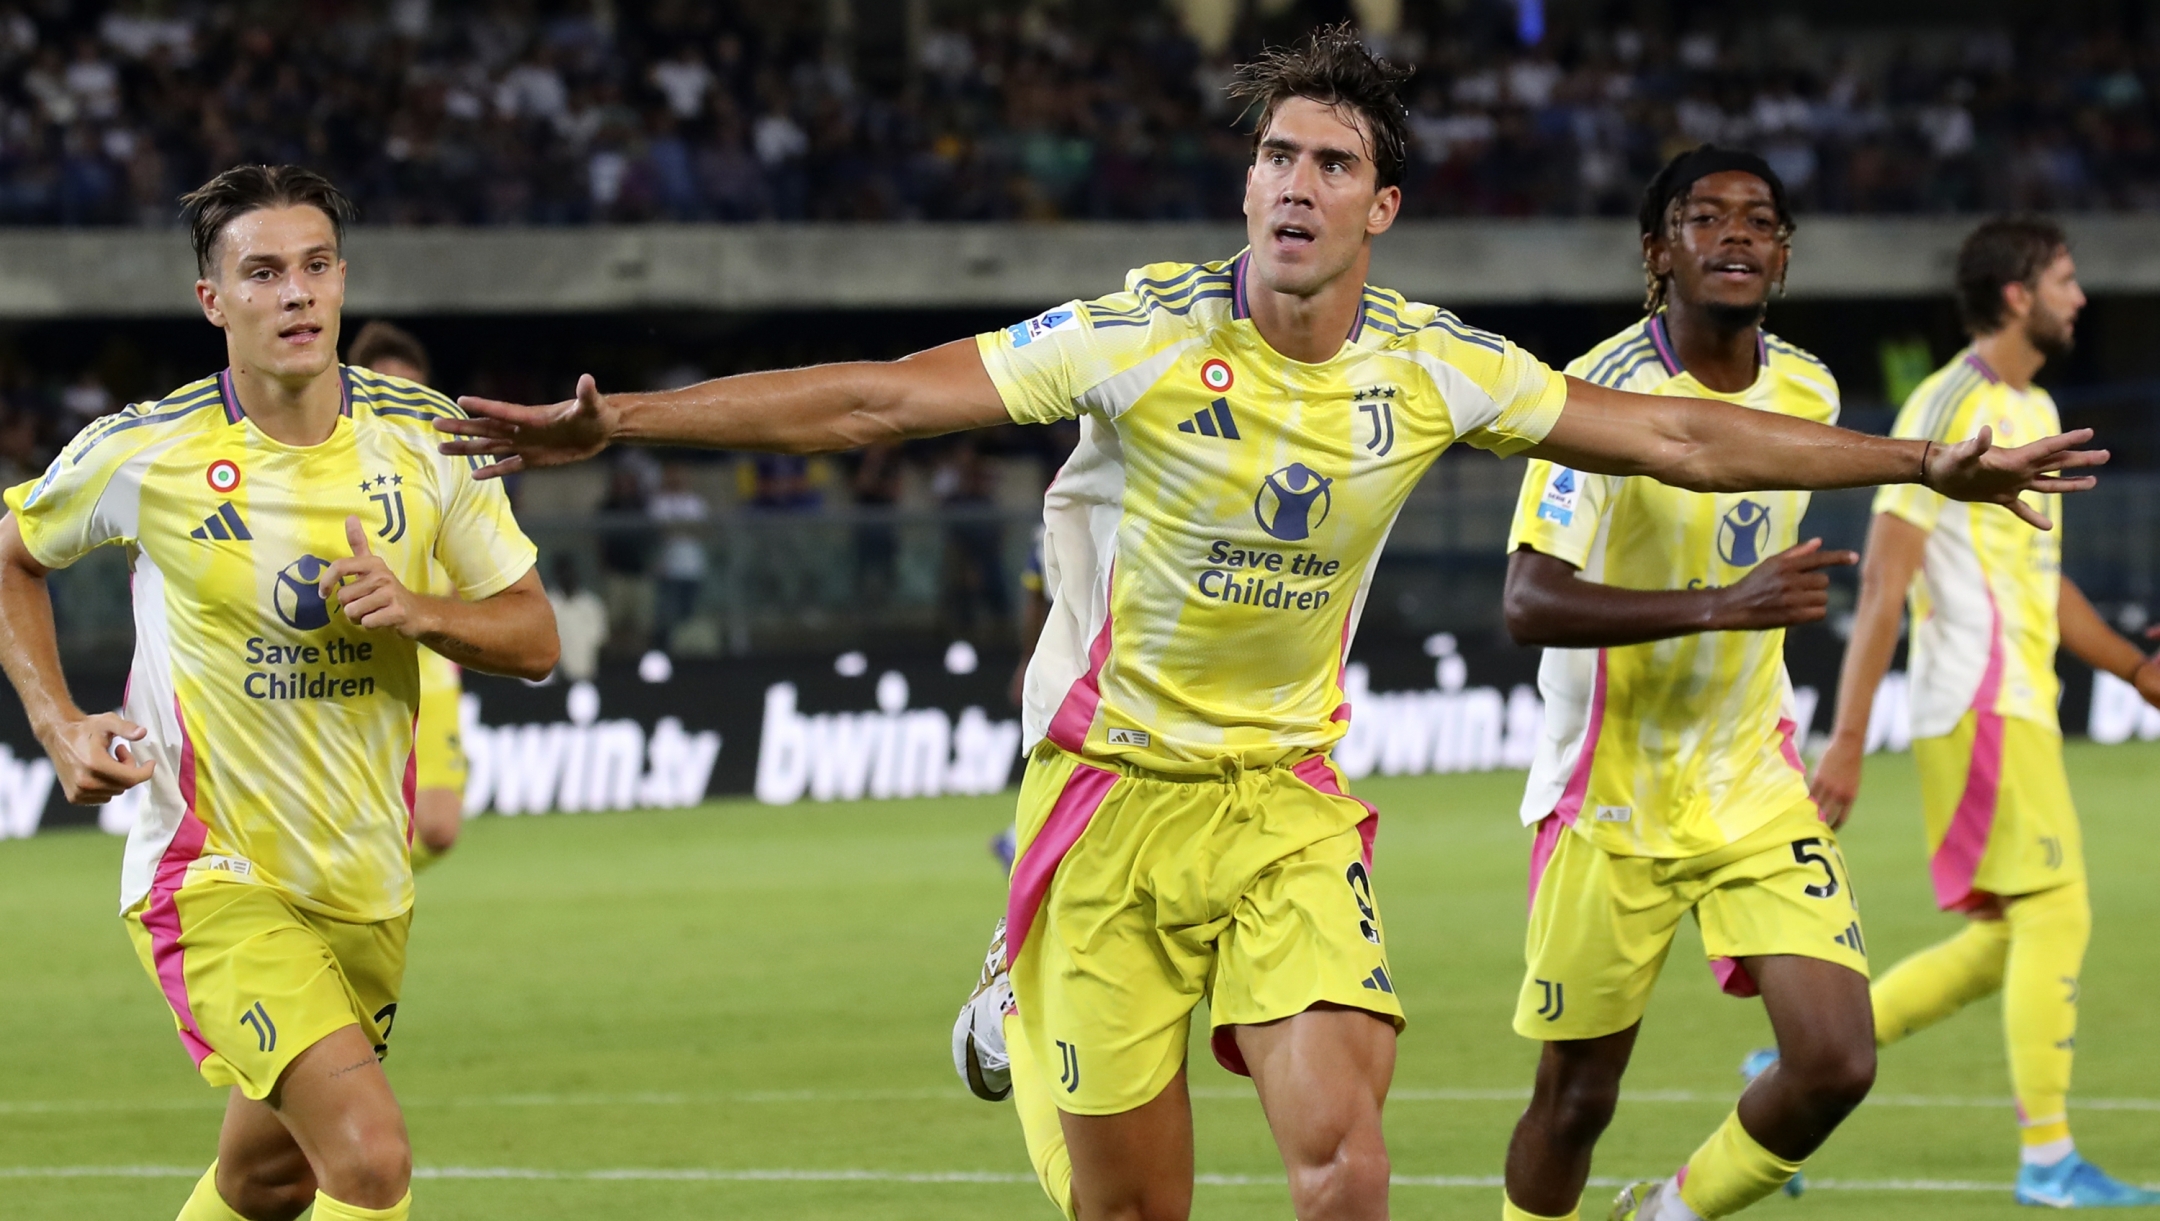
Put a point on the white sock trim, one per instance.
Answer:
(2048, 1153)
(1670, 1207)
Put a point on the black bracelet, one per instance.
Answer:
(1926, 449)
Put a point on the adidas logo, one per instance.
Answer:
(1379, 982)
(1851, 939)
(1213, 421)
(224, 526)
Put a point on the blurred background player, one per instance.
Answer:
(439, 806)
(1184, 833)
(1990, 606)
(267, 885)
(1667, 781)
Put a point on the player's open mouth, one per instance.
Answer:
(1293, 235)
(303, 333)
(1735, 269)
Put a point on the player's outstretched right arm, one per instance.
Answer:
(1708, 446)
(811, 410)
(1894, 551)
(81, 747)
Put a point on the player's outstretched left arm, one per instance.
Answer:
(817, 409)
(2092, 641)
(511, 632)
(1707, 446)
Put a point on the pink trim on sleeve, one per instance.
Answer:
(1083, 794)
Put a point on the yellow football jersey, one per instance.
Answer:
(1673, 748)
(1209, 543)
(282, 734)
(1986, 599)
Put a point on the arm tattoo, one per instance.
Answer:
(451, 646)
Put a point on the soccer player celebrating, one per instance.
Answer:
(1990, 606)
(1668, 780)
(396, 362)
(1249, 430)
(277, 517)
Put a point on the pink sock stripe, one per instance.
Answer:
(162, 916)
(1549, 830)
(1069, 728)
(1956, 861)
(1075, 808)
(1578, 785)
(1318, 773)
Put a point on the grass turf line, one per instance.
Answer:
(743, 988)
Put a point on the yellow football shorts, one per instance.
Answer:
(438, 750)
(1601, 925)
(253, 980)
(1996, 800)
(1137, 894)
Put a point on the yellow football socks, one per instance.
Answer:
(1039, 1121)
(1731, 1171)
(205, 1204)
(1508, 1212)
(327, 1209)
(1940, 980)
(2048, 934)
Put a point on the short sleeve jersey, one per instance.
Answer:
(281, 732)
(1208, 546)
(1671, 748)
(1986, 600)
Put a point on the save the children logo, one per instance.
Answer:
(1292, 502)
(298, 595)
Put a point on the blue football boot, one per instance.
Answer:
(2076, 1183)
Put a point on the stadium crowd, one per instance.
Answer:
(525, 111)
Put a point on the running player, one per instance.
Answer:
(1668, 780)
(277, 518)
(1248, 431)
(395, 355)
(1990, 606)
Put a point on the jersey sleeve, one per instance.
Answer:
(1923, 418)
(1501, 397)
(86, 499)
(480, 546)
(1558, 511)
(1040, 366)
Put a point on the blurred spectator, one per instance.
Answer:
(522, 113)
(877, 537)
(581, 620)
(974, 563)
(626, 547)
(85, 399)
(20, 457)
(681, 514)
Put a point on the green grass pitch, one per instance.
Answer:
(721, 1012)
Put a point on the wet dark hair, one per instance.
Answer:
(1337, 70)
(1670, 185)
(2001, 252)
(380, 340)
(250, 188)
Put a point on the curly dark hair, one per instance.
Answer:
(250, 188)
(2004, 251)
(1659, 213)
(1336, 70)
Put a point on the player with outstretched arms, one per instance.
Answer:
(1249, 430)
(1668, 781)
(277, 518)
(1990, 607)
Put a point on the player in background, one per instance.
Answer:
(439, 807)
(1248, 431)
(278, 518)
(1990, 606)
(1668, 781)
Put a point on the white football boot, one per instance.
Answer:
(978, 1035)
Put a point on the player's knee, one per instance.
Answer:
(375, 1173)
(1836, 1078)
(276, 1190)
(1579, 1109)
(1350, 1183)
